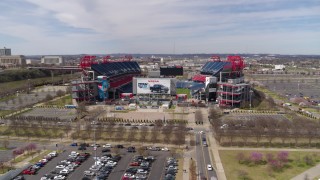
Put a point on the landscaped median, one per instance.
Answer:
(266, 164)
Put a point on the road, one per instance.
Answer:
(203, 159)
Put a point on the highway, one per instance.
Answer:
(203, 159)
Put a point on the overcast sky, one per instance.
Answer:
(42, 27)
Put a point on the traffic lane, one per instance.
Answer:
(207, 160)
(122, 165)
(51, 165)
(199, 155)
(158, 166)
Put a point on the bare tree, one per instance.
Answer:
(198, 117)
(143, 134)
(60, 93)
(5, 144)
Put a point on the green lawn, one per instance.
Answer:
(40, 156)
(61, 101)
(183, 91)
(23, 157)
(6, 112)
(296, 165)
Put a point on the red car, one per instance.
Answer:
(29, 171)
(134, 164)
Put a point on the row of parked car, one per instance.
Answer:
(31, 170)
(66, 166)
(171, 169)
(139, 168)
(102, 166)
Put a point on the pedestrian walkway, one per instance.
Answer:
(219, 168)
(186, 163)
(311, 173)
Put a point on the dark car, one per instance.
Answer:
(131, 149)
(74, 144)
(119, 146)
(159, 88)
(105, 150)
(82, 148)
(128, 124)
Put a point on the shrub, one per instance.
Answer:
(269, 157)
(308, 160)
(241, 157)
(256, 157)
(276, 165)
(243, 174)
(283, 156)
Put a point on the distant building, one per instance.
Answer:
(8, 61)
(53, 60)
(5, 52)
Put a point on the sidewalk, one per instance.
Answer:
(220, 171)
(311, 173)
(186, 163)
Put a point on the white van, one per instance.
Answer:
(132, 106)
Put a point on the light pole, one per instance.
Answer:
(250, 98)
(95, 144)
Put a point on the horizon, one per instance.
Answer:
(284, 27)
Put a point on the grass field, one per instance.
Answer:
(183, 91)
(40, 156)
(24, 156)
(296, 165)
(61, 101)
(6, 112)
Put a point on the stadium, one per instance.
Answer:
(219, 81)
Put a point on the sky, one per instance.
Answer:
(47, 27)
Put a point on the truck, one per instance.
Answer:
(159, 88)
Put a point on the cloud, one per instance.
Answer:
(144, 26)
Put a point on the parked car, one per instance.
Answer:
(74, 144)
(119, 146)
(82, 148)
(107, 146)
(105, 150)
(131, 149)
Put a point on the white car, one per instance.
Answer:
(64, 171)
(164, 149)
(60, 166)
(209, 167)
(141, 171)
(53, 154)
(59, 177)
(107, 146)
(89, 173)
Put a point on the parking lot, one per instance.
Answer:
(145, 169)
(295, 87)
(63, 114)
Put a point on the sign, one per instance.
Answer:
(153, 86)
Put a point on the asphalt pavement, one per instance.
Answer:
(203, 158)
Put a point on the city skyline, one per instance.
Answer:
(33, 27)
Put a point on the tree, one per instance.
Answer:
(198, 117)
(48, 97)
(67, 129)
(143, 134)
(154, 136)
(60, 93)
(5, 144)
(81, 109)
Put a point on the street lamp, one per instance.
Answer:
(250, 98)
(95, 144)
